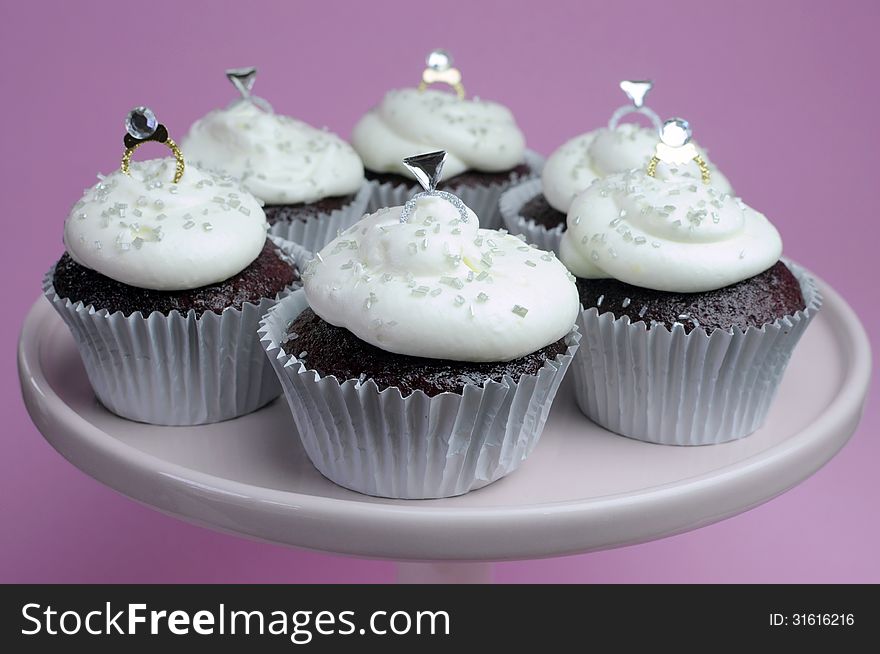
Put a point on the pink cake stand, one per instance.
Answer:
(583, 489)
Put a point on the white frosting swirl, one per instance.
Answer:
(145, 231)
(278, 159)
(668, 233)
(476, 134)
(441, 288)
(579, 162)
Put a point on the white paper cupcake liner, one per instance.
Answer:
(175, 369)
(510, 205)
(315, 232)
(482, 200)
(414, 447)
(673, 388)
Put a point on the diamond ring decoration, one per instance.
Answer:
(675, 147)
(636, 91)
(142, 126)
(243, 80)
(427, 169)
(440, 70)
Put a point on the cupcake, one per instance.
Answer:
(310, 181)
(436, 346)
(166, 274)
(689, 315)
(486, 151)
(538, 208)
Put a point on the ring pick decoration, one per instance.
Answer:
(427, 169)
(440, 70)
(141, 126)
(243, 80)
(675, 147)
(636, 91)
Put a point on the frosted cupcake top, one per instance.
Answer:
(476, 134)
(145, 231)
(279, 159)
(440, 287)
(594, 155)
(669, 233)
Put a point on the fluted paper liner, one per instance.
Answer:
(483, 200)
(414, 447)
(673, 388)
(317, 231)
(510, 205)
(175, 369)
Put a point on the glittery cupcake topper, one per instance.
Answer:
(636, 91)
(427, 169)
(141, 126)
(675, 147)
(243, 80)
(440, 70)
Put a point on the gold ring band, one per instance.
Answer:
(458, 86)
(701, 163)
(169, 142)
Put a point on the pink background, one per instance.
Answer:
(782, 93)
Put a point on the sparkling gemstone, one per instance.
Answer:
(141, 122)
(439, 60)
(242, 79)
(636, 90)
(427, 168)
(675, 132)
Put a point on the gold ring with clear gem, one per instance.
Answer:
(675, 147)
(141, 126)
(441, 71)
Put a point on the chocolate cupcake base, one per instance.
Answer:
(539, 211)
(303, 211)
(541, 226)
(315, 224)
(382, 443)
(680, 386)
(753, 302)
(335, 351)
(179, 368)
(267, 276)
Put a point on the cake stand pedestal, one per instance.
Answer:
(583, 489)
